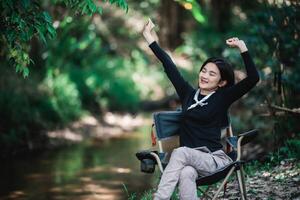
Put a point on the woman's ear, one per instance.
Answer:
(222, 83)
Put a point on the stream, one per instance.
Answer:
(92, 169)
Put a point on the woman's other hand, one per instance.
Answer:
(147, 31)
(236, 43)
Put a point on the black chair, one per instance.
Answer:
(165, 141)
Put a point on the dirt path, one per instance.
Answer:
(279, 182)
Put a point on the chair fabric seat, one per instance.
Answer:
(217, 175)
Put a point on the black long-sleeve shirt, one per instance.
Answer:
(201, 126)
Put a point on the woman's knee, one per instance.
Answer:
(188, 172)
(182, 155)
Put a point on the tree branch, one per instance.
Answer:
(293, 111)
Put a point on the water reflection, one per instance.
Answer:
(90, 170)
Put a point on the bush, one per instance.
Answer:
(63, 96)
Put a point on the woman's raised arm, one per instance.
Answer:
(148, 31)
(181, 86)
(238, 90)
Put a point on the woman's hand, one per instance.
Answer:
(147, 31)
(236, 43)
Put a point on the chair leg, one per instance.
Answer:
(225, 180)
(241, 184)
(225, 187)
(243, 181)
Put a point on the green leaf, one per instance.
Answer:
(100, 10)
(195, 9)
(25, 72)
(85, 9)
(92, 6)
(120, 3)
(51, 31)
(25, 4)
(42, 37)
(47, 17)
(18, 68)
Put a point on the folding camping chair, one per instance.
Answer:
(165, 143)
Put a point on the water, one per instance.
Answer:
(89, 170)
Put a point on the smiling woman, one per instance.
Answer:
(215, 73)
(204, 114)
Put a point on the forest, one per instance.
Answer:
(78, 80)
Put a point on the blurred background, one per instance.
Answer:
(78, 85)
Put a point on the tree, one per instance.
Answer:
(23, 20)
(173, 20)
(276, 24)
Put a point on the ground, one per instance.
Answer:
(279, 182)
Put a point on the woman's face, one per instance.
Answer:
(209, 77)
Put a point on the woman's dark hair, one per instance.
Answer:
(225, 69)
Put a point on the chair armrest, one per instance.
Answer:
(155, 158)
(244, 138)
(146, 154)
(237, 141)
(232, 141)
(247, 136)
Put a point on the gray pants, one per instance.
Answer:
(184, 167)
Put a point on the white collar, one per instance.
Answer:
(201, 102)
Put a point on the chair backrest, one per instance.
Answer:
(166, 123)
(166, 133)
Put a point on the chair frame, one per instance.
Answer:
(233, 143)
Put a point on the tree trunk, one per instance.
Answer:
(221, 13)
(171, 23)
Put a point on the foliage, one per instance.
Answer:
(28, 109)
(89, 7)
(63, 96)
(278, 28)
(20, 21)
(291, 149)
(23, 20)
(101, 79)
(78, 72)
(279, 33)
(89, 67)
(272, 36)
(288, 152)
(195, 9)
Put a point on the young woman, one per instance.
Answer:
(204, 113)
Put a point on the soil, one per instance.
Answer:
(279, 182)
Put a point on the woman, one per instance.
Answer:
(204, 113)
